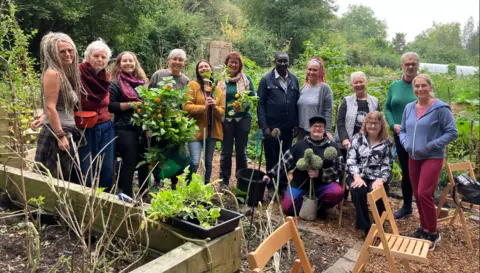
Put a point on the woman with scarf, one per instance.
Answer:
(237, 126)
(100, 147)
(126, 75)
(61, 86)
(207, 107)
(316, 98)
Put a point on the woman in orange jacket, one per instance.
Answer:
(207, 107)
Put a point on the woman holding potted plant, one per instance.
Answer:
(207, 107)
(236, 125)
(369, 165)
(311, 179)
(94, 118)
(126, 75)
(61, 86)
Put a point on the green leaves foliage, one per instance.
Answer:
(188, 201)
(161, 113)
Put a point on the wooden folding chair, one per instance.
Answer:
(451, 167)
(391, 245)
(265, 251)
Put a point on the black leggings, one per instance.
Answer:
(131, 150)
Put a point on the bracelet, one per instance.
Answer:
(60, 134)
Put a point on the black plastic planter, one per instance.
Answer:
(227, 222)
(257, 187)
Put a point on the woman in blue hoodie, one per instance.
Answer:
(427, 128)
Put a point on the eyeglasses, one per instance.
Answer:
(65, 51)
(410, 64)
(373, 124)
(318, 127)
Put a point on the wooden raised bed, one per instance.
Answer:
(180, 256)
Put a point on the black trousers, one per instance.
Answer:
(131, 147)
(407, 191)
(235, 133)
(359, 199)
(272, 150)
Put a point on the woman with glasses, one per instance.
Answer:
(369, 165)
(428, 126)
(326, 188)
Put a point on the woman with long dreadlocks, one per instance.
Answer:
(61, 87)
(316, 98)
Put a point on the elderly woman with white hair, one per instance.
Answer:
(176, 61)
(354, 109)
(94, 118)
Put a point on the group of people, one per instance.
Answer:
(421, 126)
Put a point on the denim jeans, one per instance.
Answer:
(195, 149)
(234, 132)
(99, 141)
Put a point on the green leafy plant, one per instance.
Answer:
(244, 101)
(193, 200)
(161, 113)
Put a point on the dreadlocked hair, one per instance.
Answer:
(70, 77)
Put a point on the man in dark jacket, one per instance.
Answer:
(278, 94)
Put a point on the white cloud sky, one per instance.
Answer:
(414, 16)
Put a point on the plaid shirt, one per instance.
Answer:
(332, 170)
(370, 162)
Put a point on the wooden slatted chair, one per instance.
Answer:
(452, 167)
(265, 251)
(391, 245)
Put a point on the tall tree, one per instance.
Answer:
(399, 43)
(470, 37)
(291, 21)
(442, 44)
(359, 23)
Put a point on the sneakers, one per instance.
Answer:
(432, 237)
(417, 234)
(402, 213)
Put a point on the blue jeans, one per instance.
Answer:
(195, 149)
(99, 139)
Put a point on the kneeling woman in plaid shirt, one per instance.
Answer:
(326, 188)
(369, 165)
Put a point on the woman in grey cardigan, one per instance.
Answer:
(316, 99)
(354, 109)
